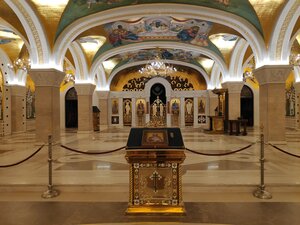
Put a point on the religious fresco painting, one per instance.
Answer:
(30, 98)
(189, 111)
(159, 28)
(76, 9)
(127, 111)
(201, 105)
(290, 96)
(115, 106)
(141, 111)
(175, 110)
(163, 53)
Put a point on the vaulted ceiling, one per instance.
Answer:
(97, 39)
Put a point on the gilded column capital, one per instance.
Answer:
(272, 74)
(233, 86)
(85, 89)
(46, 77)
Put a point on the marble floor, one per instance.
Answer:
(94, 188)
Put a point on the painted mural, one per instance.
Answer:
(290, 94)
(166, 54)
(30, 98)
(77, 9)
(158, 28)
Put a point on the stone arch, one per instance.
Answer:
(248, 31)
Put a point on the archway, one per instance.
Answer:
(247, 108)
(71, 104)
(158, 102)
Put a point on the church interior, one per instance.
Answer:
(78, 76)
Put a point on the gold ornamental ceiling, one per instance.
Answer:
(50, 13)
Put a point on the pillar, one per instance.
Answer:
(297, 104)
(271, 80)
(85, 107)
(103, 105)
(18, 109)
(234, 98)
(213, 103)
(47, 103)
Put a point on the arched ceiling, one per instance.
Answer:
(106, 41)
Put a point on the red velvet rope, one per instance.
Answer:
(220, 154)
(27, 158)
(92, 153)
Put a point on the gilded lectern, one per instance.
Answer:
(155, 156)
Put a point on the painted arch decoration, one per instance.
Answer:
(191, 31)
(77, 9)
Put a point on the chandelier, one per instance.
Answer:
(20, 64)
(157, 67)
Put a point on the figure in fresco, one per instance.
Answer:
(188, 34)
(118, 35)
(29, 104)
(140, 108)
(115, 107)
(127, 108)
(189, 107)
(175, 107)
(201, 107)
(224, 2)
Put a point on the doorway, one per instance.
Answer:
(158, 103)
(71, 106)
(247, 105)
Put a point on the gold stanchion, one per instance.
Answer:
(260, 192)
(50, 193)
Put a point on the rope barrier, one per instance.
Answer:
(281, 150)
(92, 153)
(220, 154)
(27, 158)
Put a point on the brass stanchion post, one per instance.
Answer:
(260, 192)
(50, 193)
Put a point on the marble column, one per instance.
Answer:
(297, 105)
(85, 107)
(213, 103)
(234, 98)
(182, 112)
(47, 103)
(103, 104)
(271, 80)
(18, 109)
(133, 113)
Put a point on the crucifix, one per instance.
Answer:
(155, 177)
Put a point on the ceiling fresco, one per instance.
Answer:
(77, 9)
(190, 31)
(151, 54)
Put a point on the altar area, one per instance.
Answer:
(155, 156)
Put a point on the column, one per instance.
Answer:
(47, 102)
(234, 98)
(133, 113)
(195, 106)
(182, 112)
(168, 113)
(271, 80)
(297, 104)
(85, 107)
(18, 109)
(213, 103)
(103, 105)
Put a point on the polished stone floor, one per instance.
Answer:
(94, 188)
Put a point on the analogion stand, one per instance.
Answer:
(155, 156)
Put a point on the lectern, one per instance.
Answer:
(155, 156)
